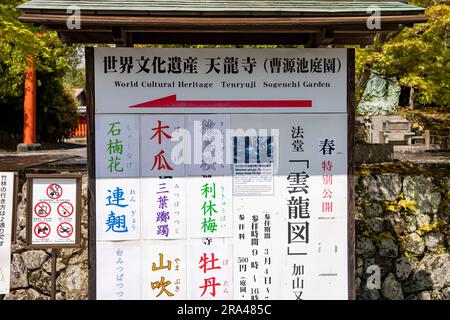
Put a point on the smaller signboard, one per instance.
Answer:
(54, 210)
(8, 183)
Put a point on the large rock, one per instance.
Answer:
(373, 210)
(40, 280)
(433, 272)
(357, 286)
(445, 183)
(59, 296)
(73, 282)
(413, 243)
(391, 288)
(403, 268)
(34, 259)
(446, 293)
(370, 294)
(364, 247)
(437, 295)
(433, 240)
(22, 235)
(22, 208)
(422, 219)
(79, 258)
(382, 187)
(84, 232)
(431, 295)
(411, 225)
(375, 224)
(359, 267)
(47, 266)
(18, 272)
(422, 190)
(19, 246)
(388, 248)
(67, 252)
(401, 225)
(26, 294)
(424, 295)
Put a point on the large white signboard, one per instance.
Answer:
(231, 172)
(6, 210)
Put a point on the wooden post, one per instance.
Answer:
(351, 235)
(53, 293)
(90, 113)
(29, 105)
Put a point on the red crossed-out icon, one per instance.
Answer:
(65, 209)
(54, 191)
(64, 230)
(42, 230)
(42, 209)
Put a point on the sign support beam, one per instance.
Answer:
(53, 293)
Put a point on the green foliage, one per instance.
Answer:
(58, 112)
(438, 226)
(377, 237)
(401, 205)
(53, 61)
(410, 255)
(75, 78)
(419, 56)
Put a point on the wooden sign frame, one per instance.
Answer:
(30, 180)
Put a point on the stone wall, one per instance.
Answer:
(31, 269)
(402, 230)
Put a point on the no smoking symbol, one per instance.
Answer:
(54, 191)
(64, 230)
(42, 209)
(42, 230)
(65, 209)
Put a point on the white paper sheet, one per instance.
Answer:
(118, 272)
(118, 209)
(210, 206)
(159, 155)
(116, 146)
(164, 271)
(163, 208)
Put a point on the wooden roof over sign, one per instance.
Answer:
(313, 23)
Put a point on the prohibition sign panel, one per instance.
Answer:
(54, 211)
